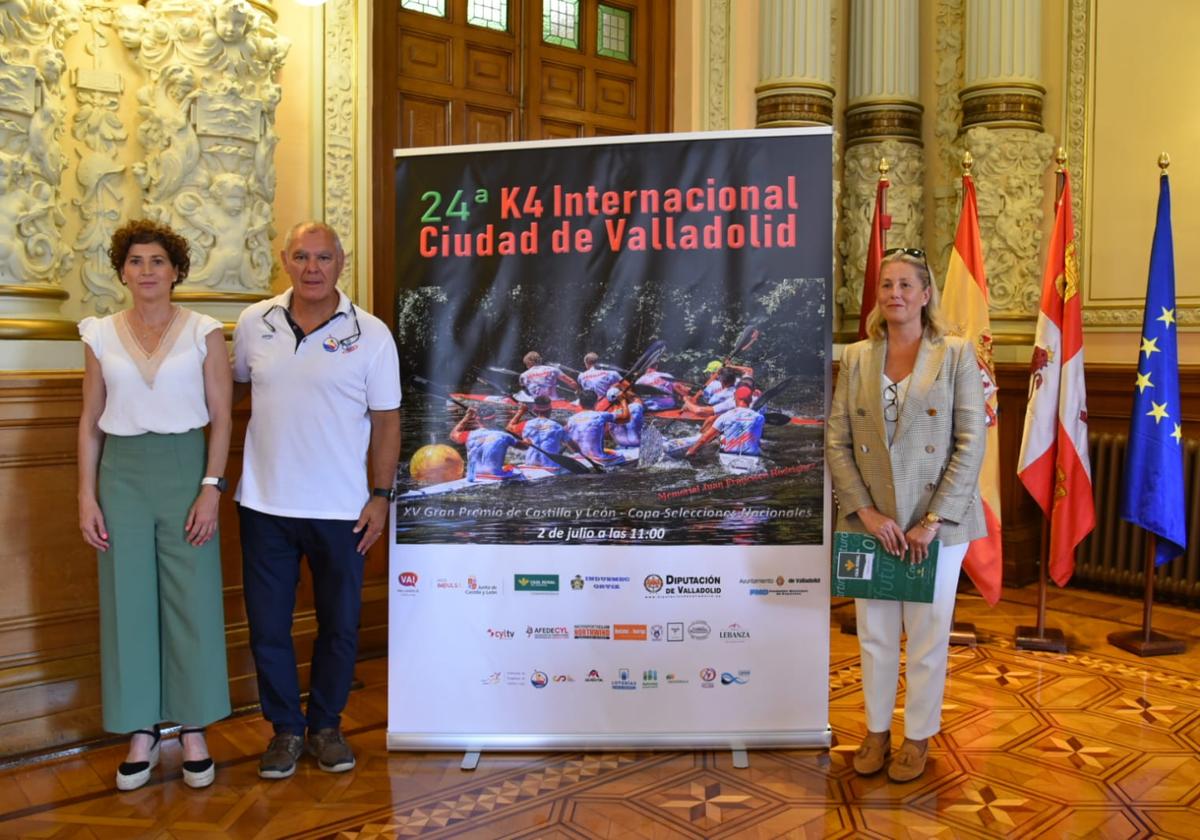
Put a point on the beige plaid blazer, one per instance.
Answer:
(934, 460)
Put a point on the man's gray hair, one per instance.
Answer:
(301, 227)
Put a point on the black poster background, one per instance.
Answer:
(458, 315)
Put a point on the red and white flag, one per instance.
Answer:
(1053, 464)
(965, 309)
(880, 222)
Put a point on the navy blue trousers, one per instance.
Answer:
(271, 550)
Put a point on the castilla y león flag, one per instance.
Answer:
(965, 309)
(1053, 464)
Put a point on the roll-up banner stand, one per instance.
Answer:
(661, 595)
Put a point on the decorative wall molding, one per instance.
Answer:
(835, 40)
(1132, 317)
(948, 80)
(341, 109)
(905, 204)
(1009, 167)
(716, 59)
(98, 128)
(33, 252)
(1078, 51)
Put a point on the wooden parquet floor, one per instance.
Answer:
(1092, 744)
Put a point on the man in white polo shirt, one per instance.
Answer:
(325, 383)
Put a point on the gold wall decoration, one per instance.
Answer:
(877, 120)
(777, 108)
(1008, 106)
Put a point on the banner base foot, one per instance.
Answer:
(1135, 642)
(964, 634)
(469, 762)
(741, 759)
(1051, 639)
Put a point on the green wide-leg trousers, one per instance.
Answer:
(162, 616)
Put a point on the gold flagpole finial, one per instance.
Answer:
(1164, 160)
(967, 163)
(884, 166)
(1060, 157)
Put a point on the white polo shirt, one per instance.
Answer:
(306, 445)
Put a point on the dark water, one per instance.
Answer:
(669, 503)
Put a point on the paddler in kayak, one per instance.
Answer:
(740, 428)
(671, 393)
(597, 379)
(543, 432)
(587, 427)
(486, 449)
(542, 380)
(629, 433)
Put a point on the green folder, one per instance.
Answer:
(862, 568)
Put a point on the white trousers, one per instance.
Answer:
(928, 629)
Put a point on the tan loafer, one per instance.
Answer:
(909, 762)
(872, 753)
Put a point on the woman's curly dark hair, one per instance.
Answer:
(145, 232)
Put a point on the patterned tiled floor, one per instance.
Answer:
(1094, 743)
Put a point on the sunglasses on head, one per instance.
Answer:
(916, 253)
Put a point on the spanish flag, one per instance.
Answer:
(880, 222)
(965, 308)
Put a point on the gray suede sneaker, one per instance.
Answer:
(333, 753)
(279, 761)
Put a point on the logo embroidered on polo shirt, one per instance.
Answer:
(331, 344)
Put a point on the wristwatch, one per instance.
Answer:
(930, 521)
(388, 493)
(217, 481)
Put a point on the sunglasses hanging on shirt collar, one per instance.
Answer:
(345, 343)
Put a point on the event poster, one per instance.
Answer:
(615, 356)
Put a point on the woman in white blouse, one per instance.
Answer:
(154, 376)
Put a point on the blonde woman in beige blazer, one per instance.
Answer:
(905, 443)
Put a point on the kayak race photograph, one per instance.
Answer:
(562, 385)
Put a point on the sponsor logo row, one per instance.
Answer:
(654, 585)
(625, 679)
(671, 631)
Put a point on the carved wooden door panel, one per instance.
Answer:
(457, 74)
(449, 72)
(597, 68)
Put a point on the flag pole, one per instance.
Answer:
(963, 632)
(849, 624)
(1146, 642)
(1042, 637)
(884, 168)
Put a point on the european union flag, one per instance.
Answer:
(1152, 492)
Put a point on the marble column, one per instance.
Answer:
(883, 120)
(795, 63)
(1002, 100)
